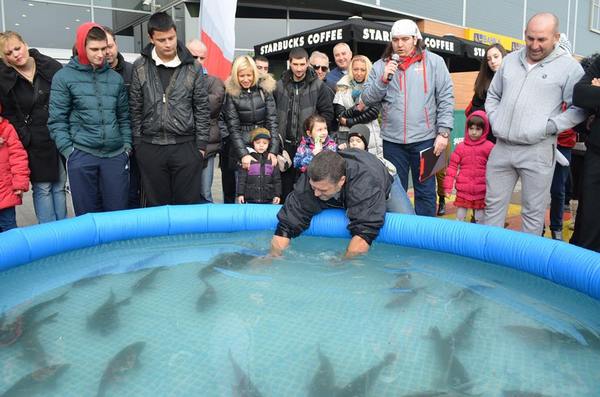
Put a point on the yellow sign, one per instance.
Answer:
(487, 38)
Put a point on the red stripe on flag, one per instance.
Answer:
(216, 64)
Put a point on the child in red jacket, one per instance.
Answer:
(467, 166)
(14, 175)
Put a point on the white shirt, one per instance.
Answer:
(173, 63)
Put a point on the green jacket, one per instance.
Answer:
(89, 110)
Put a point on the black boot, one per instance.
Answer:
(441, 206)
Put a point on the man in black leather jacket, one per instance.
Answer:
(169, 117)
(352, 179)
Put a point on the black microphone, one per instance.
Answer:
(396, 59)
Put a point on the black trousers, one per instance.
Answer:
(170, 173)
(227, 174)
(587, 221)
(289, 177)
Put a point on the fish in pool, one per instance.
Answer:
(243, 386)
(207, 299)
(228, 261)
(30, 314)
(323, 382)
(122, 363)
(11, 333)
(33, 351)
(362, 384)
(38, 382)
(146, 281)
(454, 374)
(403, 298)
(106, 318)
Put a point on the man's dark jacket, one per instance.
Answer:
(216, 94)
(363, 195)
(586, 96)
(125, 69)
(313, 97)
(30, 118)
(173, 115)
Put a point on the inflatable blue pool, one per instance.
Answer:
(559, 262)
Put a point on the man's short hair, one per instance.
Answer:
(95, 34)
(110, 32)
(318, 54)
(298, 53)
(261, 58)
(327, 165)
(554, 18)
(160, 21)
(342, 45)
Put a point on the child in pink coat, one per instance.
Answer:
(467, 166)
(14, 175)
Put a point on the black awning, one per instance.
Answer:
(472, 49)
(364, 37)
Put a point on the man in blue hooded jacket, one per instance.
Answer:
(89, 121)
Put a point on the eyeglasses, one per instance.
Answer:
(322, 67)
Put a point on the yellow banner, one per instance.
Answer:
(487, 38)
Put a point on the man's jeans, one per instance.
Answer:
(405, 157)
(206, 178)
(8, 219)
(49, 198)
(398, 200)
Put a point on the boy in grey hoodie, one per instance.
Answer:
(524, 106)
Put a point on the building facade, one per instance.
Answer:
(51, 24)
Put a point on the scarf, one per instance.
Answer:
(357, 89)
(405, 62)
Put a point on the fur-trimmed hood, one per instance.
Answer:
(267, 83)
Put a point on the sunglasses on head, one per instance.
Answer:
(322, 67)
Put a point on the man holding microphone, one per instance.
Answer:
(414, 89)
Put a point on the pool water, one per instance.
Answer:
(197, 315)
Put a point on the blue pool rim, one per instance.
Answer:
(556, 261)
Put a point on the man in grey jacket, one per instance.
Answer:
(524, 106)
(414, 88)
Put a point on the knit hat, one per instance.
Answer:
(406, 27)
(361, 131)
(258, 133)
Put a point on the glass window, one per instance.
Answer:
(122, 23)
(125, 4)
(59, 32)
(595, 16)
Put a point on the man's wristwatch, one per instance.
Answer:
(444, 134)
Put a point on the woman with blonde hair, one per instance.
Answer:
(349, 108)
(248, 104)
(25, 79)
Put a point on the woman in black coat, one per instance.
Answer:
(491, 62)
(25, 79)
(586, 95)
(248, 104)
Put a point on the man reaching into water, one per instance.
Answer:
(353, 179)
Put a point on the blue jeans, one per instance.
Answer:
(8, 219)
(406, 157)
(98, 183)
(49, 198)
(398, 200)
(558, 191)
(206, 178)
